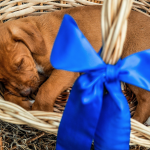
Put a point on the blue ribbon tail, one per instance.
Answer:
(81, 115)
(72, 51)
(113, 129)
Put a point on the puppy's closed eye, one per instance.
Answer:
(19, 64)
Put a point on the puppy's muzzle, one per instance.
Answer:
(26, 92)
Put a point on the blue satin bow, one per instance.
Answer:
(89, 115)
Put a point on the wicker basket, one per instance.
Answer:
(49, 122)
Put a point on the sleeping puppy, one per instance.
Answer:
(25, 48)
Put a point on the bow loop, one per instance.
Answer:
(74, 48)
(134, 69)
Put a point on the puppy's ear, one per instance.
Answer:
(30, 35)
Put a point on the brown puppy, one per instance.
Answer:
(25, 48)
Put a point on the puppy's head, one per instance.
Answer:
(19, 40)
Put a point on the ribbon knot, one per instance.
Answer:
(111, 73)
(105, 118)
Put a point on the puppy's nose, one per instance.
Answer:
(26, 92)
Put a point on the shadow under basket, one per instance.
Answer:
(14, 134)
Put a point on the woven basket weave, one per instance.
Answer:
(49, 122)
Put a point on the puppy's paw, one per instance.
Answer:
(26, 104)
(42, 106)
(21, 101)
(43, 101)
